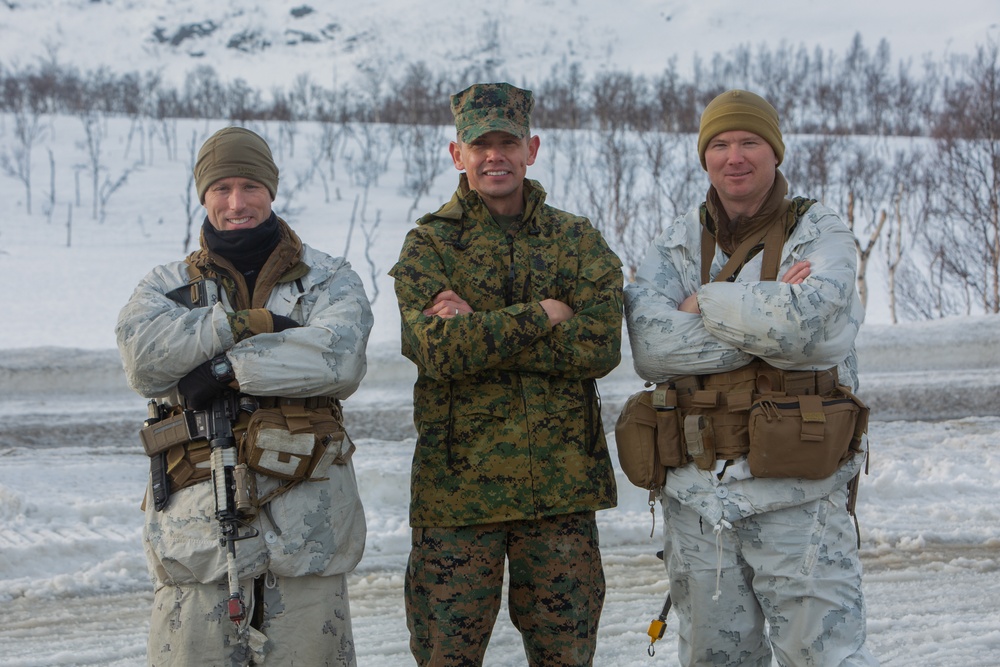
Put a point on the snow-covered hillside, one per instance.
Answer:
(271, 43)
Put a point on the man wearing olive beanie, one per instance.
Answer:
(740, 110)
(744, 307)
(261, 330)
(235, 151)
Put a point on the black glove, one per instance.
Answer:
(200, 387)
(280, 323)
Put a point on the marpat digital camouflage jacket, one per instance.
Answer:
(505, 406)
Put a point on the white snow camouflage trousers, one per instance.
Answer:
(306, 621)
(795, 569)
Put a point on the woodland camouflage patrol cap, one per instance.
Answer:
(489, 107)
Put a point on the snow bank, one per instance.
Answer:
(941, 369)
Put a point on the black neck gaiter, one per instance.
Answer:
(246, 249)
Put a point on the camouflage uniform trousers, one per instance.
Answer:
(795, 568)
(454, 582)
(294, 621)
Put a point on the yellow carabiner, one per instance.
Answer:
(658, 627)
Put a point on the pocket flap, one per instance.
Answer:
(739, 401)
(663, 398)
(705, 398)
(811, 407)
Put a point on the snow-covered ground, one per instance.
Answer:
(73, 583)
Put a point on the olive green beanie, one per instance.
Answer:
(740, 110)
(235, 151)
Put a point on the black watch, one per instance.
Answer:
(222, 369)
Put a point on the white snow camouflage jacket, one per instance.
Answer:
(161, 341)
(318, 527)
(811, 326)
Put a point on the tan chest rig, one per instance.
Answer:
(787, 423)
(291, 439)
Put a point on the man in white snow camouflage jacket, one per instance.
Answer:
(288, 332)
(758, 566)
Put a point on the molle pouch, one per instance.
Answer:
(293, 442)
(698, 427)
(179, 428)
(700, 440)
(336, 449)
(636, 439)
(668, 427)
(805, 436)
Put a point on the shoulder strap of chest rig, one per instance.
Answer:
(773, 238)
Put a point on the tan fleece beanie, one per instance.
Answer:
(235, 151)
(740, 110)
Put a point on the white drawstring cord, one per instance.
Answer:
(723, 524)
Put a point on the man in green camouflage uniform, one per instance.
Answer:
(510, 310)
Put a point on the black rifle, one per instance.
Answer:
(228, 494)
(229, 479)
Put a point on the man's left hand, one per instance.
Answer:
(447, 304)
(200, 388)
(798, 272)
(690, 305)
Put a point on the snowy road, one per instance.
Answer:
(935, 609)
(74, 590)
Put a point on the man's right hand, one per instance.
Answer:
(797, 273)
(280, 323)
(690, 305)
(556, 310)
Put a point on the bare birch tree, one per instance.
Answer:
(964, 234)
(15, 159)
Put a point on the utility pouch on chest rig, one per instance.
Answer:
(806, 436)
(296, 439)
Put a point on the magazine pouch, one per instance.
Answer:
(668, 432)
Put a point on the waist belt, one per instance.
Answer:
(714, 409)
(310, 402)
(765, 379)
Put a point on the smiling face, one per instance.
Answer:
(237, 203)
(741, 166)
(496, 164)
